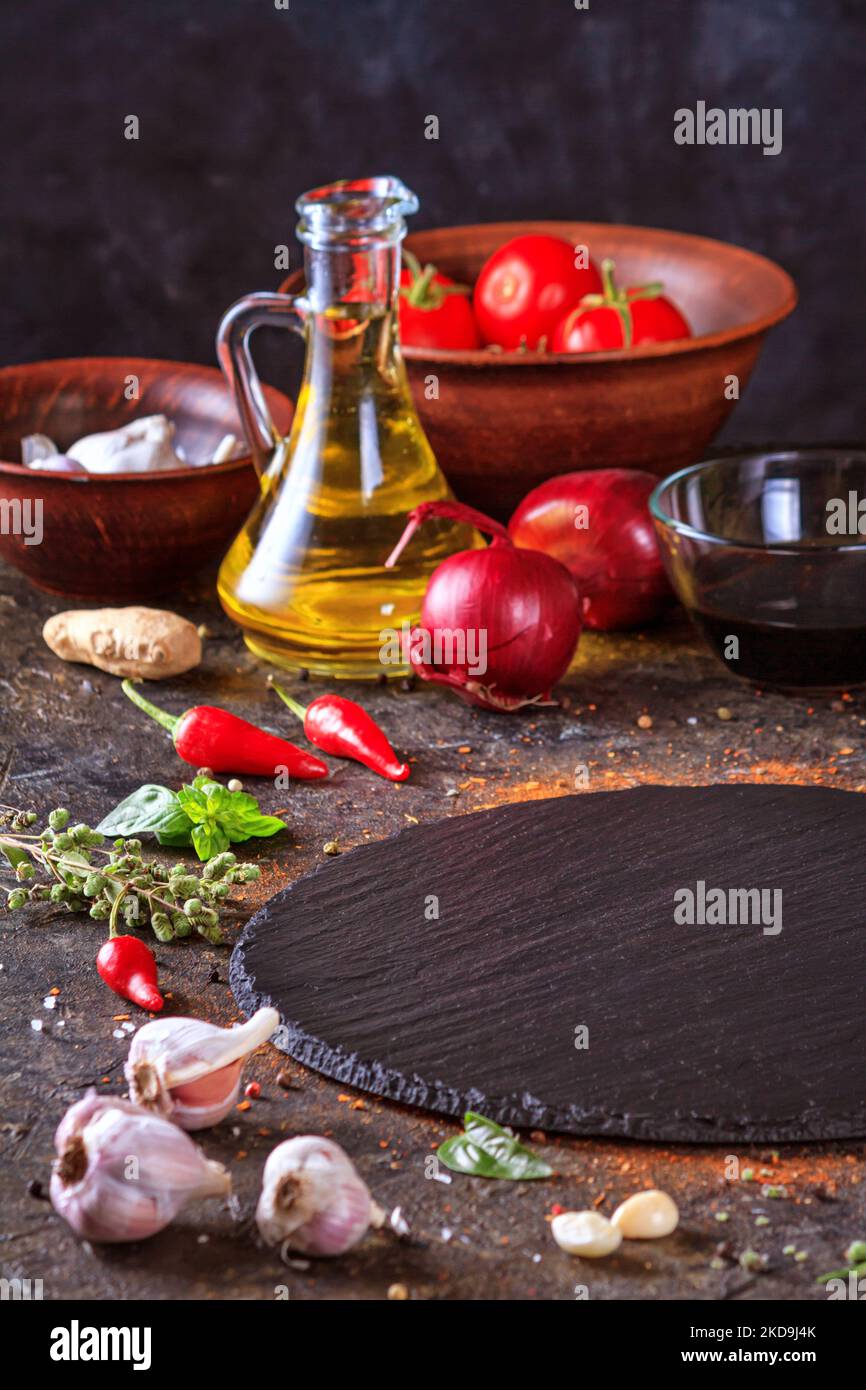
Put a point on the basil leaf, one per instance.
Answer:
(487, 1150)
(208, 840)
(201, 783)
(180, 839)
(194, 803)
(15, 855)
(254, 825)
(150, 809)
(205, 815)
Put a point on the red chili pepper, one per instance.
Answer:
(209, 737)
(129, 968)
(341, 727)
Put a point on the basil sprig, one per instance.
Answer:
(487, 1150)
(205, 815)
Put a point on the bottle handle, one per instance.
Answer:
(235, 358)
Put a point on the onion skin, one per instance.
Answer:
(526, 603)
(615, 559)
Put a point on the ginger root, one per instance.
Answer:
(133, 642)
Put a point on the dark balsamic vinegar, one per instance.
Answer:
(812, 636)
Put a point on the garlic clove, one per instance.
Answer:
(585, 1233)
(37, 446)
(226, 449)
(190, 1070)
(141, 446)
(123, 1173)
(647, 1215)
(313, 1199)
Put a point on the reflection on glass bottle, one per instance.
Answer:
(304, 579)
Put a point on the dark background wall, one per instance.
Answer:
(113, 246)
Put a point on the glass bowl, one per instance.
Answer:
(767, 551)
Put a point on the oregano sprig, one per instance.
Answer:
(114, 884)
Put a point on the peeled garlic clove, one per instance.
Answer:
(312, 1198)
(226, 449)
(646, 1215)
(139, 447)
(190, 1070)
(37, 446)
(585, 1233)
(123, 1174)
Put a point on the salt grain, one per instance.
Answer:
(398, 1222)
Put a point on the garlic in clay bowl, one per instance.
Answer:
(313, 1199)
(190, 1071)
(123, 1174)
(145, 445)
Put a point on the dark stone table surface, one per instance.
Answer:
(68, 736)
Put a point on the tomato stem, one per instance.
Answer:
(612, 297)
(423, 292)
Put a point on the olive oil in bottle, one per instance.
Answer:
(305, 577)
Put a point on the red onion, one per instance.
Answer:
(498, 625)
(598, 524)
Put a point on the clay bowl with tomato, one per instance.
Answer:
(507, 419)
(121, 537)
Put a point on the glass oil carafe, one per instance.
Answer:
(305, 578)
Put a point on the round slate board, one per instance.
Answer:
(560, 915)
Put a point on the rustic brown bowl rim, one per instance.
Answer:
(187, 474)
(484, 357)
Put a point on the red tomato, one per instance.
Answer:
(525, 288)
(619, 318)
(435, 311)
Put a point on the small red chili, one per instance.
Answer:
(129, 968)
(339, 726)
(209, 737)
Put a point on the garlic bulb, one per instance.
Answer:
(190, 1070)
(312, 1198)
(122, 1173)
(139, 447)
